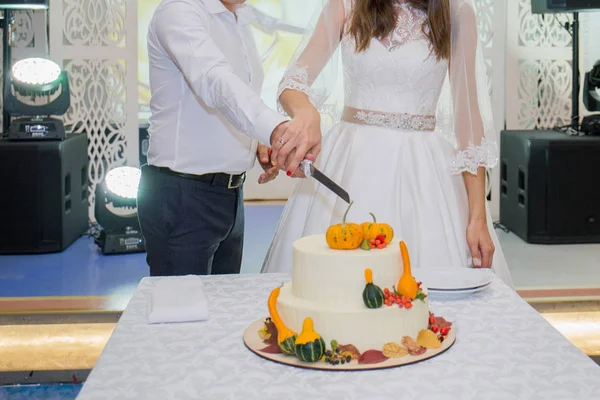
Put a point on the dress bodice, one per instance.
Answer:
(400, 74)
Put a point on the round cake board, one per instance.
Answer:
(255, 344)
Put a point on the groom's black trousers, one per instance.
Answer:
(192, 225)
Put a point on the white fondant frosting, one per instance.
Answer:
(334, 277)
(327, 286)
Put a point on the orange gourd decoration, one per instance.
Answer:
(344, 236)
(286, 338)
(407, 285)
(371, 230)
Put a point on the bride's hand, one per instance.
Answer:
(480, 243)
(302, 139)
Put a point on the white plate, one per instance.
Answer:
(454, 294)
(454, 279)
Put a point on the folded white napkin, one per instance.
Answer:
(178, 299)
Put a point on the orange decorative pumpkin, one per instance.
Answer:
(344, 236)
(407, 285)
(371, 230)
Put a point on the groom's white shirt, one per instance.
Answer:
(205, 80)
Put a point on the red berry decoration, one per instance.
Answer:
(445, 330)
(435, 328)
(431, 319)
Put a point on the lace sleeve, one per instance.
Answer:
(313, 68)
(473, 124)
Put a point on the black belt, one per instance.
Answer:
(220, 179)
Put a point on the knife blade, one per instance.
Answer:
(309, 170)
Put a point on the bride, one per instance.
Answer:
(414, 136)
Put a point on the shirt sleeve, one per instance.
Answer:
(181, 30)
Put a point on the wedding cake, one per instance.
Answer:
(327, 286)
(352, 297)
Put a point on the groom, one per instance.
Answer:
(206, 125)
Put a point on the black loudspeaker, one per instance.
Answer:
(550, 186)
(144, 143)
(44, 201)
(563, 6)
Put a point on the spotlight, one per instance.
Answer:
(591, 95)
(30, 80)
(36, 75)
(6, 23)
(591, 99)
(116, 212)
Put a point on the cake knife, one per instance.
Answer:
(309, 170)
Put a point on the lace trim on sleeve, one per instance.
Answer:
(470, 159)
(297, 79)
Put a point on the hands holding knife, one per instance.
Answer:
(295, 146)
(300, 139)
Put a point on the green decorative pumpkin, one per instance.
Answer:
(373, 296)
(310, 347)
(288, 346)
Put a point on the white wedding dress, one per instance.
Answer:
(390, 160)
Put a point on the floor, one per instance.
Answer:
(551, 266)
(40, 392)
(44, 293)
(82, 277)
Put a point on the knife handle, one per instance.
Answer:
(305, 167)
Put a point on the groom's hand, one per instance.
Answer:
(263, 154)
(299, 139)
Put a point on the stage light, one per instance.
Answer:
(123, 182)
(24, 4)
(116, 212)
(591, 86)
(7, 6)
(36, 89)
(36, 75)
(591, 99)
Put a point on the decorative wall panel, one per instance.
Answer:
(539, 68)
(96, 42)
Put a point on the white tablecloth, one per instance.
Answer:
(504, 350)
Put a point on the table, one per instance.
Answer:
(504, 350)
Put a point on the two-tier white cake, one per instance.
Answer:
(327, 286)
